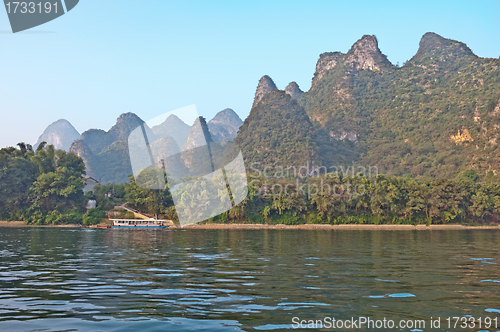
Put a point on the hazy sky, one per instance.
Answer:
(107, 57)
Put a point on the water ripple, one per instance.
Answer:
(88, 280)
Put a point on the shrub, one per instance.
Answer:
(94, 216)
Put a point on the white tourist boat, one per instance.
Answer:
(140, 223)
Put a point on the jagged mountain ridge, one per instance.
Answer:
(409, 120)
(98, 139)
(106, 155)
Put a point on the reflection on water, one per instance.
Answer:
(240, 280)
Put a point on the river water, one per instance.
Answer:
(243, 280)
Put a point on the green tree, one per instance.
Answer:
(17, 174)
(149, 200)
(59, 190)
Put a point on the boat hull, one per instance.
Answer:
(139, 226)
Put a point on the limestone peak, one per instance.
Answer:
(293, 90)
(266, 84)
(365, 54)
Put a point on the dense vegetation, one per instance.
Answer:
(46, 187)
(41, 186)
(406, 117)
(336, 199)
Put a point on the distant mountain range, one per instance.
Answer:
(436, 116)
(105, 153)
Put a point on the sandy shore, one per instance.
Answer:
(23, 224)
(305, 227)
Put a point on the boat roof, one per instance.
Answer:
(139, 220)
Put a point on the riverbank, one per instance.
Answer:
(338, 227)
(18, 224)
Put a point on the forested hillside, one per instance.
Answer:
(278, 133)
(436, 116)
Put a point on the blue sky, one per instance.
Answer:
(149, 57)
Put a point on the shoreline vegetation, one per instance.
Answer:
(46, 187)
(337, 227)
(212, 226)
